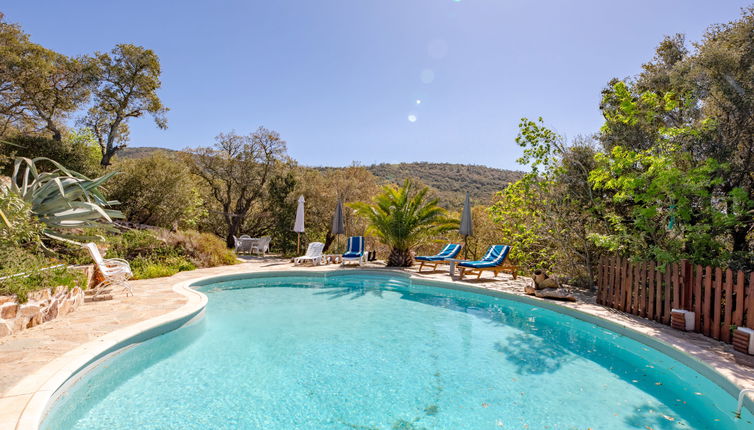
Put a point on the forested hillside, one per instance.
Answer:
(450, 181)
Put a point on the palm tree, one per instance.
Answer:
(403, 218)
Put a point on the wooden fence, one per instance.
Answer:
(721, 299)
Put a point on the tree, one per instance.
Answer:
(402, 217)
(281, 211)
(158, 190)
(39, 88)
(128, 80)
(549, 214)
(699, 102)
(322, 190)
(13, 42)
(236, 170)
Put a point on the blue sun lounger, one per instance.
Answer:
(354, 250)
(495, 260)
(450, 250)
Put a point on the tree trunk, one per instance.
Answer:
(400, 258)
(233, 227)
(106, 157)
(329, 239)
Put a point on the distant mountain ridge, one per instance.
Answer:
(450, 181)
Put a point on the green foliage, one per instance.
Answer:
(17, 224)
(77, 151)
(522, 228)
(63, 200)
(128, 78)
(41, 88)
(661, 206)
(202, 249)
(402, 217)
(146, 267)
(158, 190)
(322, 190)
(450, 181)
(547, 216)
(164, 253)
(235, 172)
(15, 261)
(282, 205)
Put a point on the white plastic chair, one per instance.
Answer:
(243, 244)
(313, 254)
(261, 246)
(116, 271)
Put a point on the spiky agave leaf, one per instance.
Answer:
(63, 199)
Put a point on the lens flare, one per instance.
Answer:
(412, 118)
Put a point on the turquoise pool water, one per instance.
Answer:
(373, 352)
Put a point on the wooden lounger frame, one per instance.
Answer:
(505, 267)
(434, 264)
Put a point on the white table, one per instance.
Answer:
(245, 244)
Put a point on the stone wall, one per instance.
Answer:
(42, 306)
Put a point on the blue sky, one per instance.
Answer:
(340, 79)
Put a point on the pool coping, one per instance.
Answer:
(49, 379)
(66, 369)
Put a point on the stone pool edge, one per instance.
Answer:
(60, 371)
(56, 374)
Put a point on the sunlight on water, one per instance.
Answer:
(371, 352)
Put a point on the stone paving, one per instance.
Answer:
(26, 352)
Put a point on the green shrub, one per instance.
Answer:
(146, 268)
(157, 253)
(158, 190)
(77, 151)
(16, 261)
(17, 225)
(204, 249)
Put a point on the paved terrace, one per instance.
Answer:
(29, 351)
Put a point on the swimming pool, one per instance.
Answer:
(366, 351)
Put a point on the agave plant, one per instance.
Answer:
(63, 200)
(402, 218)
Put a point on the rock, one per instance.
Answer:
(529, 290)
(65, 306)
(8, 310)
(61, 291)
(20, 323)
(6, 299)
(5, 329)
(52, 311)
(29, 310)
(39, 295)
(36, 320)
(555, 293)
(548, 283)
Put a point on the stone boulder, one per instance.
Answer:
(555, 293)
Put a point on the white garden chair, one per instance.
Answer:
(261, 246)
(116, 271)
(313, 254)
(243, 244)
